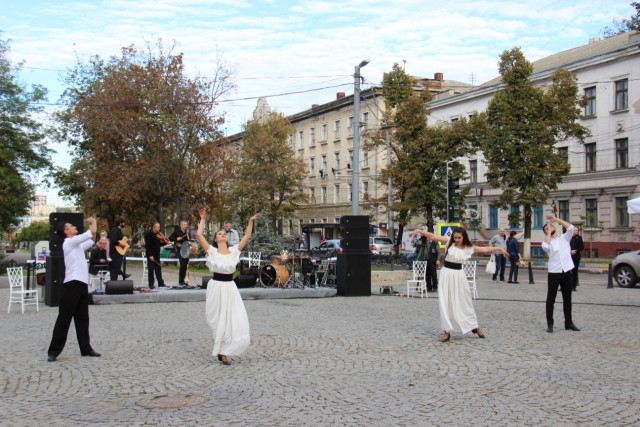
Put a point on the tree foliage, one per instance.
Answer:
(622, 25)
(519, 131)
(146, 138)
(35, 232)
(22, 148)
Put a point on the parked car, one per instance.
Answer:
(380, 245)
(626, 269)
(328, 249)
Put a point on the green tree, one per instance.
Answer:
(622, 25)
(22, 148)
(519, 131)
(35, 232)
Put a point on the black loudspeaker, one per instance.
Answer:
(354, 230)
(118, 287)
(354, 275)
(55, 218)
(205, 281)
(254, 271)
(53, 280)
(245, 280)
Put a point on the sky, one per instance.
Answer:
(278, 47)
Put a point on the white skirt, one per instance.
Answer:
(456, 309)
(227, 318)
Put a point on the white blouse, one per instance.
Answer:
(459, 255)
(223, 263)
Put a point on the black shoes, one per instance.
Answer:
(571, 327)
(516, 282)
(510, 281)
(51, 358)
(550, 329)
(92, 353)
(478, 332)
(446, 337)
(575, 290)
(126, 276)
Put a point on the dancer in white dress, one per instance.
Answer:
(225, 310)
(454, 296)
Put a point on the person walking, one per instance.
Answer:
(560, 265)
(577, 246)
(499, 241)
(225, 311)
(433, 254)
(513, 248)
(454, 296)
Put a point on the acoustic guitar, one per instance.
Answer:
(122, 251)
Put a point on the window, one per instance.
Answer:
(622, 213)
(312, 136)
(592, 212)
(301, 139)
(312, 220)
(591, 253)
(365, 190)
(622, 153)
(336, 220)
(350, 165)
(324, 162)
(290, 226)
(336, 128)
(292, 140)
(365, 160)
(325, 220)
(365, 119)
(455, 119)
(312, 194)
(590, 108)
(513, 208)
(323, 194)
(493, 216)
(538, 218)
(349, 192)
(622, 94)
(325, 131)
(473, 171)
(336, 193)
(564, 153)
(300, 225)
(590, 157)
(563, 210)
(351, 126)
(312, 165)
(336, 161)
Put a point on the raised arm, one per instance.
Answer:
(429, 235)
(199, 234)
(247, 232)
(484, 249)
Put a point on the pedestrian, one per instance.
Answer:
(433, 255)
(225, 310)
(454, 296)
(560, 265)
(74, 292)
(500, 241)
(414, 255)
(232, 234)
(513, 248)
(577, 246)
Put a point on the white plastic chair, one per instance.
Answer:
(418, 283)
(17, 292)
(145, 274)
(254, 259)
(97, 279)
(469, 268)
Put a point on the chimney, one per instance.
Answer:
(594, 40)
(439, 77)
(315, 105)
(340, 95)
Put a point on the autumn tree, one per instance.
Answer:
(146, 137)
(519, 131)
(22, 148)
(623, 25)
(269, 176)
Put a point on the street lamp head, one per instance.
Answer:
(364, 62)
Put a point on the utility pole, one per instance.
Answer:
(355, 176)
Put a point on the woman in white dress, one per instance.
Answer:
(454, 296)
(225, 310)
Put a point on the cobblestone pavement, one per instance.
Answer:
(374, 361)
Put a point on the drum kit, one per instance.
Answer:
(281, 272)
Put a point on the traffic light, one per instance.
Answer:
(451, 214)
(453, 184)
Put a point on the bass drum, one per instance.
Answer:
(273, 275)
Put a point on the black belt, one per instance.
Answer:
(453, 265)
(560, 274)
(223, 277)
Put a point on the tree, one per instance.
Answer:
(592, 226)
(623, 25)
(22, 148)
(269, 175)
(519, 131)
(35, 232)
(144, 134)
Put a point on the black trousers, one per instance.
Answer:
(574, 272)
(115, 267)
(563, 280)
(501, 264)
(183, 268)
(513, 271)
(74, 303)
(431, 276)
(153, 268)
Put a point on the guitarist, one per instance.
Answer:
(179, 236)
(116, 240)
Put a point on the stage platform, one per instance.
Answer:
(193, 295)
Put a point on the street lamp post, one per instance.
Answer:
(355, 176)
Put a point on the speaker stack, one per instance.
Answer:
(54, 276)
(354, 263)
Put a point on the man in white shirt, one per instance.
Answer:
(560, 265)
(74, 293)
(232, 235)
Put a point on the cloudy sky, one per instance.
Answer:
(277, 47)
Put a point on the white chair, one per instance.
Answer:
(98, 279)
(418, 283)
(469, 268)
(254, 259)
(17, 292)
(145, 274)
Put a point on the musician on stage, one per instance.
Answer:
(179, 236)
(115, 237)
(98, 259)
(153, 242)
(232, 235)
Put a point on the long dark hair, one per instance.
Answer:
(465, 238)
(215, 244)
